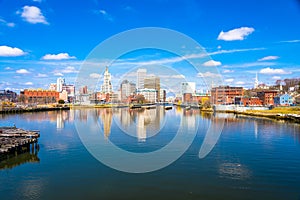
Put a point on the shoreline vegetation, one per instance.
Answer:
(291, 114)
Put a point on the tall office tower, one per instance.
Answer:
(127, 89)
(107, 86)
(59, 84)
(153, 82)
(188, 88)
(141, 75)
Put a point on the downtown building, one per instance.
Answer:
(127, 89)
(141, 75)
(224, 95)
(153, 83)
(106, 86)
(66, 91)
(39, 96)
(7, 95)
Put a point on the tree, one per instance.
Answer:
(61, 101)
(207, 104)
(140, 98)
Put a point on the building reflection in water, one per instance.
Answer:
(255, 129)
(106, 118)
(140, 123)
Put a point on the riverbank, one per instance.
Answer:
(280, 113)
(36, 109)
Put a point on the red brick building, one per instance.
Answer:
(251, 101)
(40, 96)
(225, 94)
(267, 96)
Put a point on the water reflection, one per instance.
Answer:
(140, 123)
(20, 159)
(234, 171)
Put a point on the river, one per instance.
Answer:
(108, 154)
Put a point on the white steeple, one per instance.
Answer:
(256, 83)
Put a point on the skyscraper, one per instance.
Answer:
(107, 86)
(127, 89)
(141, 75)
(153, 82)
(59, 84)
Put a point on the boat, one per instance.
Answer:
(150, 107)
(168, 107)
(134, 106)
(187, 108)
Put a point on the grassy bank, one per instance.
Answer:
(278, 110)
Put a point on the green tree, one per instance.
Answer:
(61, 101)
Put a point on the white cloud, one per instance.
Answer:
(268, 58)
(22, 71)
(58, 74)
(41, 75)
(240, 83)
(276, 77)
(28, 83)
(105, 15)
(209, 74)
(229, 80)
(234, 51)
(291, 41)
(178, 76)
(9, 24)
(6, 51)
(33, 15)
(252, 64)
(212, 63)
(95, 75)
(269, 70)
(8, 68)
(39, 1)
(69, 70)
(225, 71)
(235, 34)
(60, 56)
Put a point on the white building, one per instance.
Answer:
(52, 86)
(59, 84)
(149, 94)
(63, 95)
(188, 87)
(162, 95)
(141, 75)
(127, 89)
(107, 86)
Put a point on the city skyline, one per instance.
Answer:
(41, 40)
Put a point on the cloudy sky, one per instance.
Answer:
(41, 40)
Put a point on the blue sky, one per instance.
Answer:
(41, 40)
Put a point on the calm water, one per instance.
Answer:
(252, 158)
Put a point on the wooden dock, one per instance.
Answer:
(15, 140)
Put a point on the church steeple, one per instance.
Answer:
(256, 83)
